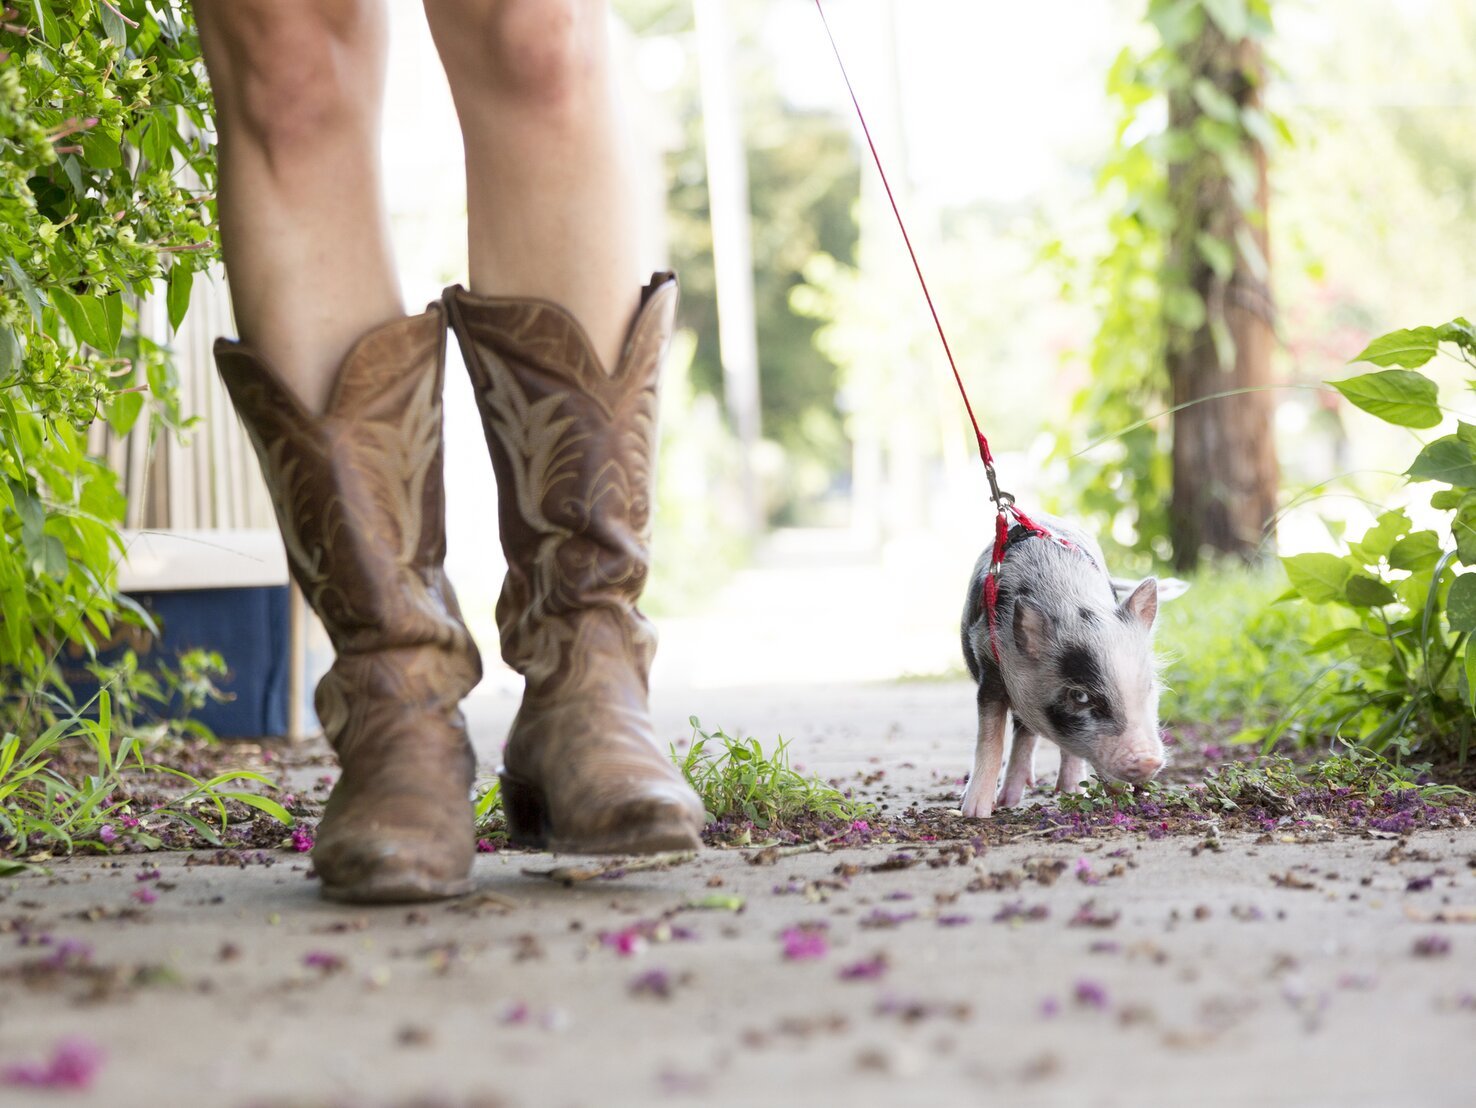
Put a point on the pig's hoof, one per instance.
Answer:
(977, 807)
(1010, 795)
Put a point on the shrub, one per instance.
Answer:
(1403, 666)
(106, 191)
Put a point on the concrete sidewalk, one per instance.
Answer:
(1117, 971)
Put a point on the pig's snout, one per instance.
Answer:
(1137, 763)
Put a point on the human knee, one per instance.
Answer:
(541, 51)
(286, 72)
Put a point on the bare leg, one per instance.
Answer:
(1073, 773)
(298, 89)
(978, 799)
(1021, 773)
(549, 199)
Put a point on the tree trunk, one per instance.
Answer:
(1224, 454)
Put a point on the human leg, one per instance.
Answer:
(298, 93)
(340, 394)
(565, 357)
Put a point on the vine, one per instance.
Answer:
(1178, 133)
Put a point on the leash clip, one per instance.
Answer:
(1002, 500)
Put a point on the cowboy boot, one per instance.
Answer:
(359, 498)
(573, 446)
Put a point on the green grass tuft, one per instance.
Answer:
(736, 779)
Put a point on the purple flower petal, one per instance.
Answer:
(805, 943)
(73, 1064)
(1090, 994)
(868, 969)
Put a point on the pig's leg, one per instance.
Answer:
(1021, 772)
(978, 799)
(1073, 772)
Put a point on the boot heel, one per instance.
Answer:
(526, 812)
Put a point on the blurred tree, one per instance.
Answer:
(803, 184)
(1181, 292)
(1224, 452)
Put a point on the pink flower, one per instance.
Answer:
(107, 834)
(145, 895)
(802, 944)
(860, 825)
(128, 821)
(73, 1065)
(302, 842)
(626, 942)
(487, 846)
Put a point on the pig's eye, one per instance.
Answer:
(1080, 697)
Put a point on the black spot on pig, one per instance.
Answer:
(1079, 668)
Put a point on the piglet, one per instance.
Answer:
(1074, 666)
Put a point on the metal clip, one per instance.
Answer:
(1001, 499)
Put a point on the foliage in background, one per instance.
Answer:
(1235, 665)
(1402, 671)
(1141, 292)
(105, 197)
(803, 180)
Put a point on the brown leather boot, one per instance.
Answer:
(573, 444)
(359, 497)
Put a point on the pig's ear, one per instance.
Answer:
(1032, 632)
(1142, 603)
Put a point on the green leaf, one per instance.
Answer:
(1446, 499)
(45, 21)
(1417, 551)
(11, 354)
(1378, 541)
(73, 170)
(27, 290)
(1399, 396)
(1446, 459)
(91, 319)
(1183, 307)
(1215, 102)
(1368, 592)
(113, 24)
(1470, 664)
(263, 804)
(1218, 254)
(1319, 578)
(1460, 604)
(1410, 349)
(1334, 639)
(181, 280)
(112, 310)
(1463, 527)
(123, 410)
(1230, 16)
(101, 148)
(1459, 331)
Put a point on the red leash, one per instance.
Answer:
(1004, 503)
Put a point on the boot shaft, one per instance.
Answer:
(573, 444)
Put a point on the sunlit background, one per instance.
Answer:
(845, 553)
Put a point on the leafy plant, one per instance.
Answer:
(44, 808)
(106, 192)
(1235, 664)
(1403, 665)
(736, 779)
